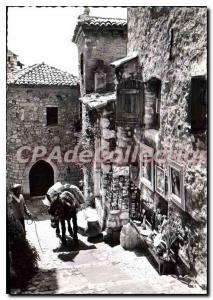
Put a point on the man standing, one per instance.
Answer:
(18, 204)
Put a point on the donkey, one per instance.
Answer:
(64, 208)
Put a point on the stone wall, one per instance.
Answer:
(95, 45)
(104, 46)
(107, 134)
(112, 204)
(87, 142)
(172, 45)
(26, 126)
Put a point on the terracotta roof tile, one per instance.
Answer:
(42, 74)
(11, 53)
(100, 21)
(90, 21)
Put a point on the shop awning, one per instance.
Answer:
(96, 100)
(122, 61)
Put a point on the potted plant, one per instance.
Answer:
(172, 234)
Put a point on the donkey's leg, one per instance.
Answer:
(63, 228)
(57, 228)
(69, 228)
(75, 227)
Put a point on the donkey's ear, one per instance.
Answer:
(48, 197)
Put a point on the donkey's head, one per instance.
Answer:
(55, 206)
(68, 200)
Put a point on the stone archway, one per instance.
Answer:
(41, 178)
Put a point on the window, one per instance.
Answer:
(153, 93)
(198, 103)
(100, 82)
(59, 97)
(171, 44)
(82, 66)
(52, 115)
(77, 125)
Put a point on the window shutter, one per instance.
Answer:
(198, 104)
(127, 101)
(129, 107)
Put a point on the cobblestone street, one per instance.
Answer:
(107, 135)
(94, 268)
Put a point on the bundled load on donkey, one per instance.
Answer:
(58, 188)
(64, 201)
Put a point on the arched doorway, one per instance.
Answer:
(41, 177)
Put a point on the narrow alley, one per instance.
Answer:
(113, 145)
(93, 267)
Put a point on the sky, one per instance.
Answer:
(44, 34)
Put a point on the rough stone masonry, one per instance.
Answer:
(31, 92)
(171, 43)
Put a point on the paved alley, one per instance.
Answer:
(94, 268)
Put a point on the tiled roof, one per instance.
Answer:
(96, 100)
(42, 74)
(11, 53)
(100, 22)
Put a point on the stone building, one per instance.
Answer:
(99, 41)
(13, 64)
(43, 117)
(158, 110)
(161, 107)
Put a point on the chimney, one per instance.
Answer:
(85, 13)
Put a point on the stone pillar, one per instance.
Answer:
(88, 184)
(87, 143)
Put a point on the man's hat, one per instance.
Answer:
(15, 186)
